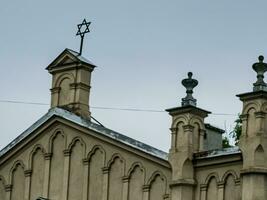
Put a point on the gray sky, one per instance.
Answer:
(143, 49)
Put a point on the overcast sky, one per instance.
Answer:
(143, 49)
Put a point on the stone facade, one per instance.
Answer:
(65, 156)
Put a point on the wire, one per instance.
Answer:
(107, 108)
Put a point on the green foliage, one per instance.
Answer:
(236, 133)
(225, 142)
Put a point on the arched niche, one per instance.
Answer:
(96, 159)
(136, 181)
(259, 156)
(157, 183)
(116, 172)
(188, 169)
(17, 180)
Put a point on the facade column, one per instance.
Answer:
(65, 188)
(202, 139)
(105, 183)
(146, 190)
(27, 174)
(260, 116)
(125, 187)
(85, 178)
(220, 187)
(203, 192)
(8, 189)
(173, 139)
(48, 157)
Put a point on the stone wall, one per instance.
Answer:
(64, 163)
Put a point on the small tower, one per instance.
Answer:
(253, 140)
(71, 77)
(187, 138)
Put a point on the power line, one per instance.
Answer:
(107, 108)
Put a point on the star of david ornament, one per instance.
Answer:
(83, 28)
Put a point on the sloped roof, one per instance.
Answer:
(87, 124)
(76, 57)
(218, 152)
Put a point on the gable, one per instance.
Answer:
(69, 57)
(74, 152)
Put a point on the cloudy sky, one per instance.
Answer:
(143, 49)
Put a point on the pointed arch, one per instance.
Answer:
(187, 169)
(73, 143)
(116, 168)
(212, 175)
(134, 166)
(37, 166)
(158, 185)
(136, 177)
(97, 160)
(16, 164)
(154, 176)
(229, 173)
(56, 132)
(93, 151)
(113, 158)
(33, 152)
(259, 156)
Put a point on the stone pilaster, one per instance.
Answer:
(66, 172)
(48, 157)
(85, 178)
(27, 174)
(105, 183)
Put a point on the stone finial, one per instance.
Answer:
(189, 84)
(260, 67)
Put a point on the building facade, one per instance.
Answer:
(66, 156)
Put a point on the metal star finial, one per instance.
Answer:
(82, 29)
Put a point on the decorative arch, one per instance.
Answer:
(62, 77)
(229, 173)
(259, 156)
(196, 120)
(32, 153)
(263, 107)
(249, 106)
(93, 151)
(74, 141)
(56, 132)
(184, 119)
(14, 167)
(134, 166)
(212, 175)
(113, 158)
(153, 178)
(187, 169)
(3, 180)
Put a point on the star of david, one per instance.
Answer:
(80, 26)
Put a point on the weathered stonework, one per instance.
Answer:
(65, 156)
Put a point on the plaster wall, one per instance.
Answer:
(65, 162)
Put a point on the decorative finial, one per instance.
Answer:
(260, 67)
(85, 25)
(189, 84)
